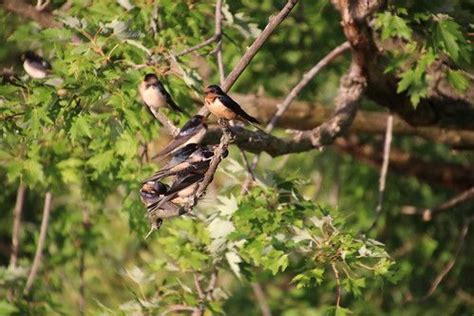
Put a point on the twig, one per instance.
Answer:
(218, 34)
(25, 10)
(257, 44)
(261, 299)
(452, 202)
(253, 49)
(212, 284)
(167, 124)
(383, 172)
(207, 42)
(40, 5)
(456, 200)
(86, 225)
(197, 284)
(215, 161)
(283, 107)
(338, 283)
(307, 77)
(439, 278)
(177, 308)
(41, 240)
(20, 199)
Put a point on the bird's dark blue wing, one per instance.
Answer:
(235, 107)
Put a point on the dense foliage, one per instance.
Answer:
(298, 234)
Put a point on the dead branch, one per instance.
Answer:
(17, 211)
(439, 278)
(261, 299)
(41, 241)
(383, 172)
(27, 11)
(428, 214)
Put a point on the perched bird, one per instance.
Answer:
(223, 106)
(35, 66)
(188, 158)
(152, 193)
(191, 132)
(154, 94)
(182, 188)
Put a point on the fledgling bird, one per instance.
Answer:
(154, 94)
(223, 106)
(35, 66)
(192, 132)
(152, 191)
(182, 188)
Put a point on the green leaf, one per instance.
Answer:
(7, 308)
(102, 161)
(80, 127)
(458, 80)
(448, 36)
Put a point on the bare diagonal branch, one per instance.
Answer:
(20, 199)
(41, 241)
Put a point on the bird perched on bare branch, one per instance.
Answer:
(192, 132)
(154, 94)
(223, 106)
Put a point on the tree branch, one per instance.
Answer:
(40, 246)
(439, 278)
(383, 172)
(218, 35)
(428, 214)
(261, 299)
(20, 199)
(30, 12)
(307, 115)
(254, 48)
(338, 285)
(257, 44)
(449, 175)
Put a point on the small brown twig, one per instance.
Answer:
(261, 299)
(178, 308)
(439, 278)
(40, 5)
(283, 107)
(167, 124)
(17, 211)
(338, 284)
(428, 214)
(41, 241)
(86, 225)
(218, 35)
(383, 172)
(189, 50)
(257, 44)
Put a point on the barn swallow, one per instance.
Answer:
(192, 132)
(223, 106)
(154, 94)
(188, 158)
(152, 191)
(35, 66)
(182, 188)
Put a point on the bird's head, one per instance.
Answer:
(213, 89)
(154, 188)
(28, 55)
(197, 120)
(151, 79)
